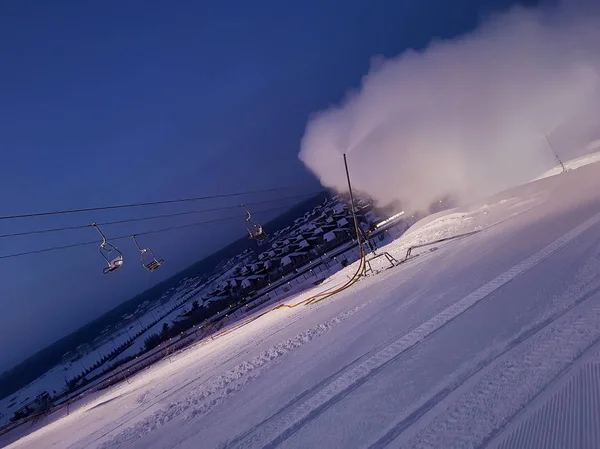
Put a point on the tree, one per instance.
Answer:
(152, 341)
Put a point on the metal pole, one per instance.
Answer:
(555, 154)
(356, 227)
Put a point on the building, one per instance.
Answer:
(42, 402)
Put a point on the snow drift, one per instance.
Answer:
(467, 117)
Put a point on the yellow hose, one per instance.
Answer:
(308, 301)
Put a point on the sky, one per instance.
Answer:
(123, 102)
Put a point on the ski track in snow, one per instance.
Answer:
(568, 419)
(202, 399)
(294, 416)
(508, 386)
(584, 288)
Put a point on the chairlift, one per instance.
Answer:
(112, 256)
(254, 228)
(149, 261)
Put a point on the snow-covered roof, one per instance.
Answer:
(339, 208)
(289, 258)
(255, 276)
(308, 227)
(343, 222)
(304, 244)
(329, 236)
(246, 283)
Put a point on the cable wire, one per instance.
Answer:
(154, 217)
(150, 203)
(155, 231)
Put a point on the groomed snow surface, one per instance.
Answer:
(489, 340)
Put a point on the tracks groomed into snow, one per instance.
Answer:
(203, 398)
(568, 419)
(294, 416)
(502, 390)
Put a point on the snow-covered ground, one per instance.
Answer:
(592, 157)
(55, 380)
(488, 340)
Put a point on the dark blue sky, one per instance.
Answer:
(118, 102)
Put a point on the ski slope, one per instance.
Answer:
(488, 340)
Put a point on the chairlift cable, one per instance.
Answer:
(155, 231)
(150, 203)
(153, 217)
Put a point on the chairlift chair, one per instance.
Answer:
(112, 256)
(254, 228)
(149, 261)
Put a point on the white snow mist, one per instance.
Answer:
(466, 117)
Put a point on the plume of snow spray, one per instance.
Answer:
(467, 117)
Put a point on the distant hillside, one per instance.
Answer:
(36, 365)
